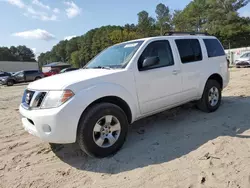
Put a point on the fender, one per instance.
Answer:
(204, 81)
(92, 93)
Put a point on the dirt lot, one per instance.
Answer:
(182, 148)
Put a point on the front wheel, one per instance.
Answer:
(102, 130)
(211, 97)
(10, 83)
(38, 78)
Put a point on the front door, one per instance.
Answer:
(160, 85)
(20, 77)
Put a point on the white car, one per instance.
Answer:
(124, 83)
(243, 61)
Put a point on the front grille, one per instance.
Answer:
(243, 63)
(33, 99)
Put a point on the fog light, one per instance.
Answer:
(46, 129)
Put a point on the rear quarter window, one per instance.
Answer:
(31, 72)
(214, 48)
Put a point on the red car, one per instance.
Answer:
(50, 73)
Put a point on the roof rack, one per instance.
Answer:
(170, 33)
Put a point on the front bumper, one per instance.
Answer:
(56, 125)
(242, 64)
(3, 82)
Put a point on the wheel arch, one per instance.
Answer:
(213, 76)
(218, 78)
(113, 100)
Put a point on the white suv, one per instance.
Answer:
(93, 106)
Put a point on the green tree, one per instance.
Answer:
(5, 54)
(217, 17)
(25, 54)
(75, 59)
(145, 24)
(19, 53)
(60, 50)
(163, 18)
(71, 46)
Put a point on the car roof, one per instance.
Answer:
(173, 37)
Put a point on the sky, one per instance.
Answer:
(40, 24)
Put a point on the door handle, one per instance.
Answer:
(175, 72)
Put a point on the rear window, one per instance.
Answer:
(214, 48)
(189, 50)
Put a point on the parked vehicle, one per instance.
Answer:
(50, 73)
(125, 83)
(68, 70)
(243, 61)
(4, 74)
(22, 76)
(12, 73)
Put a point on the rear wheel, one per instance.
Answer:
(211, 98)
(102, 130)
(37, 78)
(10, 83)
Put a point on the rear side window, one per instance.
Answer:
(189, 50)
(31, 72)
(214, 48)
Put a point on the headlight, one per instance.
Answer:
(4, 78)
(54, 99)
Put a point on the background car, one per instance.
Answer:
(68, 70)
(50, 73)
(4, 74)
(243, 61)
(21, 76)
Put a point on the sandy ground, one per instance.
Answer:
(182, 148)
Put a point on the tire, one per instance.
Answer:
(100, 114)
(10, 83)
(204, 103)
(37, 78)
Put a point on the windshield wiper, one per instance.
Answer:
(101, 67)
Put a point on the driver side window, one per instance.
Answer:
(21, 74)
(159, 49)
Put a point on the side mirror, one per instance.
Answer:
(150, 61)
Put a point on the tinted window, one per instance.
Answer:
(189, 50)
(160, 49)
(4, 74)
(214, 48)
(31, 72)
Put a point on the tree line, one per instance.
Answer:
(218, 18)
(19, 53)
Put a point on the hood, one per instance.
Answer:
(4, 77)
(61, 81)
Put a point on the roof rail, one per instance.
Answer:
(170, 33)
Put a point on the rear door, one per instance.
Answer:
(30, 75)
(191, 57)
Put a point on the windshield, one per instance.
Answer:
(17, 73)
(117, 56)
(245, 55)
